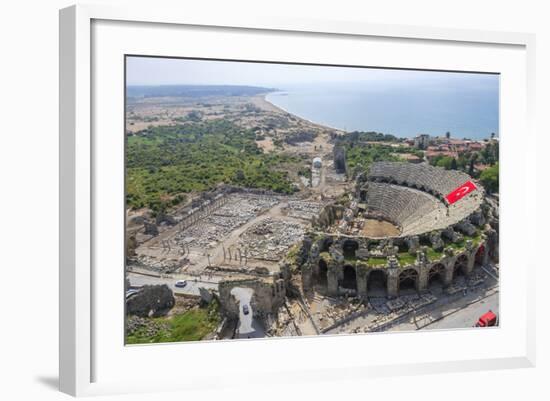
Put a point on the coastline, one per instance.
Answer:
(269, 106)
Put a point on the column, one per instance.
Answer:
(449, 265)
(485, 254)
(393, 283)
(306, 276)
(332, 279)
(422, 282)
(361, 274)
(471, 262)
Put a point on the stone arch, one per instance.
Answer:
(349, 278)
(408, 279)
(461, 266)
(349, 247)
(402, 245)
(373, 245)
(363, 195)
(436, 274)
(325, 244)
(322, 276)
(377, 282)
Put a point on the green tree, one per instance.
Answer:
(434, 160)
(453, 164)
(462, 162)
(473, 160)
(164, 163)
(446, 162)
(239, 175)
(489, 178)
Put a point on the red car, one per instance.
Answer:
(487, 320)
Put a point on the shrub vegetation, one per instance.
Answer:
(167, 161)
(192, 325)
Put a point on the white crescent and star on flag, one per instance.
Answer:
(460, 192)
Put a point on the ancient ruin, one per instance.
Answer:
(307, 266)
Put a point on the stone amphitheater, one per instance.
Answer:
(436, 241)
(411, 196)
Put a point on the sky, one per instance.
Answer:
(170, 71)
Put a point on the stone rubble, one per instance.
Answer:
(238, 210)
(270, 239)
(304, 209)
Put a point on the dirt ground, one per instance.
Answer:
(266, 145)
(375, 228)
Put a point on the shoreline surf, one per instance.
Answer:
(350, 110)
(282, 109)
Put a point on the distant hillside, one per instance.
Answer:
(193, 91)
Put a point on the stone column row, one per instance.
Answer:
(204, 210)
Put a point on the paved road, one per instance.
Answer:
(441, 315)
(192, 287)
(468, 316)
(248, 326)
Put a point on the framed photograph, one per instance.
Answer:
(290, 200)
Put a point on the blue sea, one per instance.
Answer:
(467, 105)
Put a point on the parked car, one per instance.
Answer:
(487, 320)
(181, 283)
(246, 311)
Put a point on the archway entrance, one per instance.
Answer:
(436, 275)
(377, 283)
(479, 255)
(460, 266)
(407, 280)
(350, 278)
(323, 272)
(327, 242)
(349, 248)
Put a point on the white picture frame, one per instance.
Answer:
(81, 346)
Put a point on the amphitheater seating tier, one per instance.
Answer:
(414, 210)
(422, 176)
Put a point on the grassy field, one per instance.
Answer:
(373, 261)
(192, 325)
(434, 255)
(406, 259)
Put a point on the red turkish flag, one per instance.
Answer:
(460, 192)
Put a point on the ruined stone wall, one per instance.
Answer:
(328, 216)
(335, 261)
(268, 295)
(339, 153)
